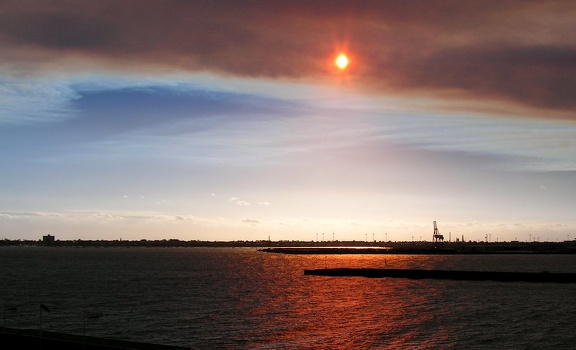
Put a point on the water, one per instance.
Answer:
(239, 298)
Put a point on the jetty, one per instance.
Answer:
(500, 276)
(327, 250)
(423, 248)
(14, 338)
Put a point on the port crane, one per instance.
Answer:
(436, 236)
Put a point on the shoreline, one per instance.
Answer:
(323, 247)
(16, 338)
(408, 251)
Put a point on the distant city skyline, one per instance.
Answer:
(231, 120)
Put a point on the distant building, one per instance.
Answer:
(48, 239)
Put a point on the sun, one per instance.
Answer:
(341, 61)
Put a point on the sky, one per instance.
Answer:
(228, 120)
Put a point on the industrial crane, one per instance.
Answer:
(437, 237)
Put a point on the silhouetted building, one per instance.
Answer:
(48, 240)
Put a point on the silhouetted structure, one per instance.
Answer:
(48, 240)
(11, 338)
(436, 236)
(540, 277)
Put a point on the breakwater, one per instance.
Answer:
(431, 249)
(328, 250)
(11, 338)
(447, 274)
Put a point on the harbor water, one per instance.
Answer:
(241, 298)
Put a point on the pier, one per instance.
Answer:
(447, 275)
(13, 338)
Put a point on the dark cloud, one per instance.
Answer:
(541, 76)
(517, 51)
(57, 31)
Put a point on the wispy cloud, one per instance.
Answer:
(35, 101)
(239, 202)
(29, 214)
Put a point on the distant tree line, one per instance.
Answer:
(568, 247)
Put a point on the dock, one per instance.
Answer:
(14, 338)
(540, 277)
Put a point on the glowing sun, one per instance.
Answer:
(341, 61)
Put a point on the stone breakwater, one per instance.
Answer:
(11, 338)
(447, 274)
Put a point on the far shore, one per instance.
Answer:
(326, 247)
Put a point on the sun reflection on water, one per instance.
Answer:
(326, 313)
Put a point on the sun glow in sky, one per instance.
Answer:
(110, 128)
(341, 61)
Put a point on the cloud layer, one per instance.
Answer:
(522, 52)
